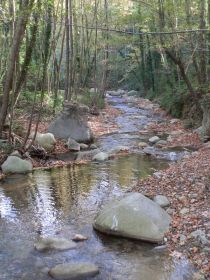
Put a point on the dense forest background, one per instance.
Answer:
(56, 50)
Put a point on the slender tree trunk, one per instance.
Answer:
(27, 60)
(202, 40)
(13, 57)
(67, 51)
(106, 49)
(179, 63)
(71, 62)
(95, 47)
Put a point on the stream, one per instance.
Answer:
(64, 201)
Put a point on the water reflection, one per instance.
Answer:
(6, 207)
(65, 201)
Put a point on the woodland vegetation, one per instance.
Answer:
(55, 50)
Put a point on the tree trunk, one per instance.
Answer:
(13, 57)
(27, 60)
(179, 63)
(67, 52)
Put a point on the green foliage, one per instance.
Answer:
(173, 102)
(5, 147)
(91, 99)
(49, 104)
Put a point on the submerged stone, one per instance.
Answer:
(118, 149)
(74, 271)
(49, 243)
(134, 216)
(87, 155)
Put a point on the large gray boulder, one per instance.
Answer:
(134, 216)
(71, 123)
(14, 164)
(74, 271)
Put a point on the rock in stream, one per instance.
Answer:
(74, 271)
(134, 216)
(48, 243)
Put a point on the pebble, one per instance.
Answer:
(79, 237)
(154, 139)
(200, 235)
(184, 211)
(160, 248)
(158, 175)
(170, 211)
(182, 238)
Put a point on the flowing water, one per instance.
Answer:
(64, 201)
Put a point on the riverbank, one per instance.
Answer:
(187, 185)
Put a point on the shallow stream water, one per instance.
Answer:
(64, 201)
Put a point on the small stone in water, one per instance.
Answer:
(74, 271)
(48, 243)
(79, 237)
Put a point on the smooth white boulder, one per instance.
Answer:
(14, 164)
(134, 216)
(46, 140)
(74, 271)
(49, 243)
